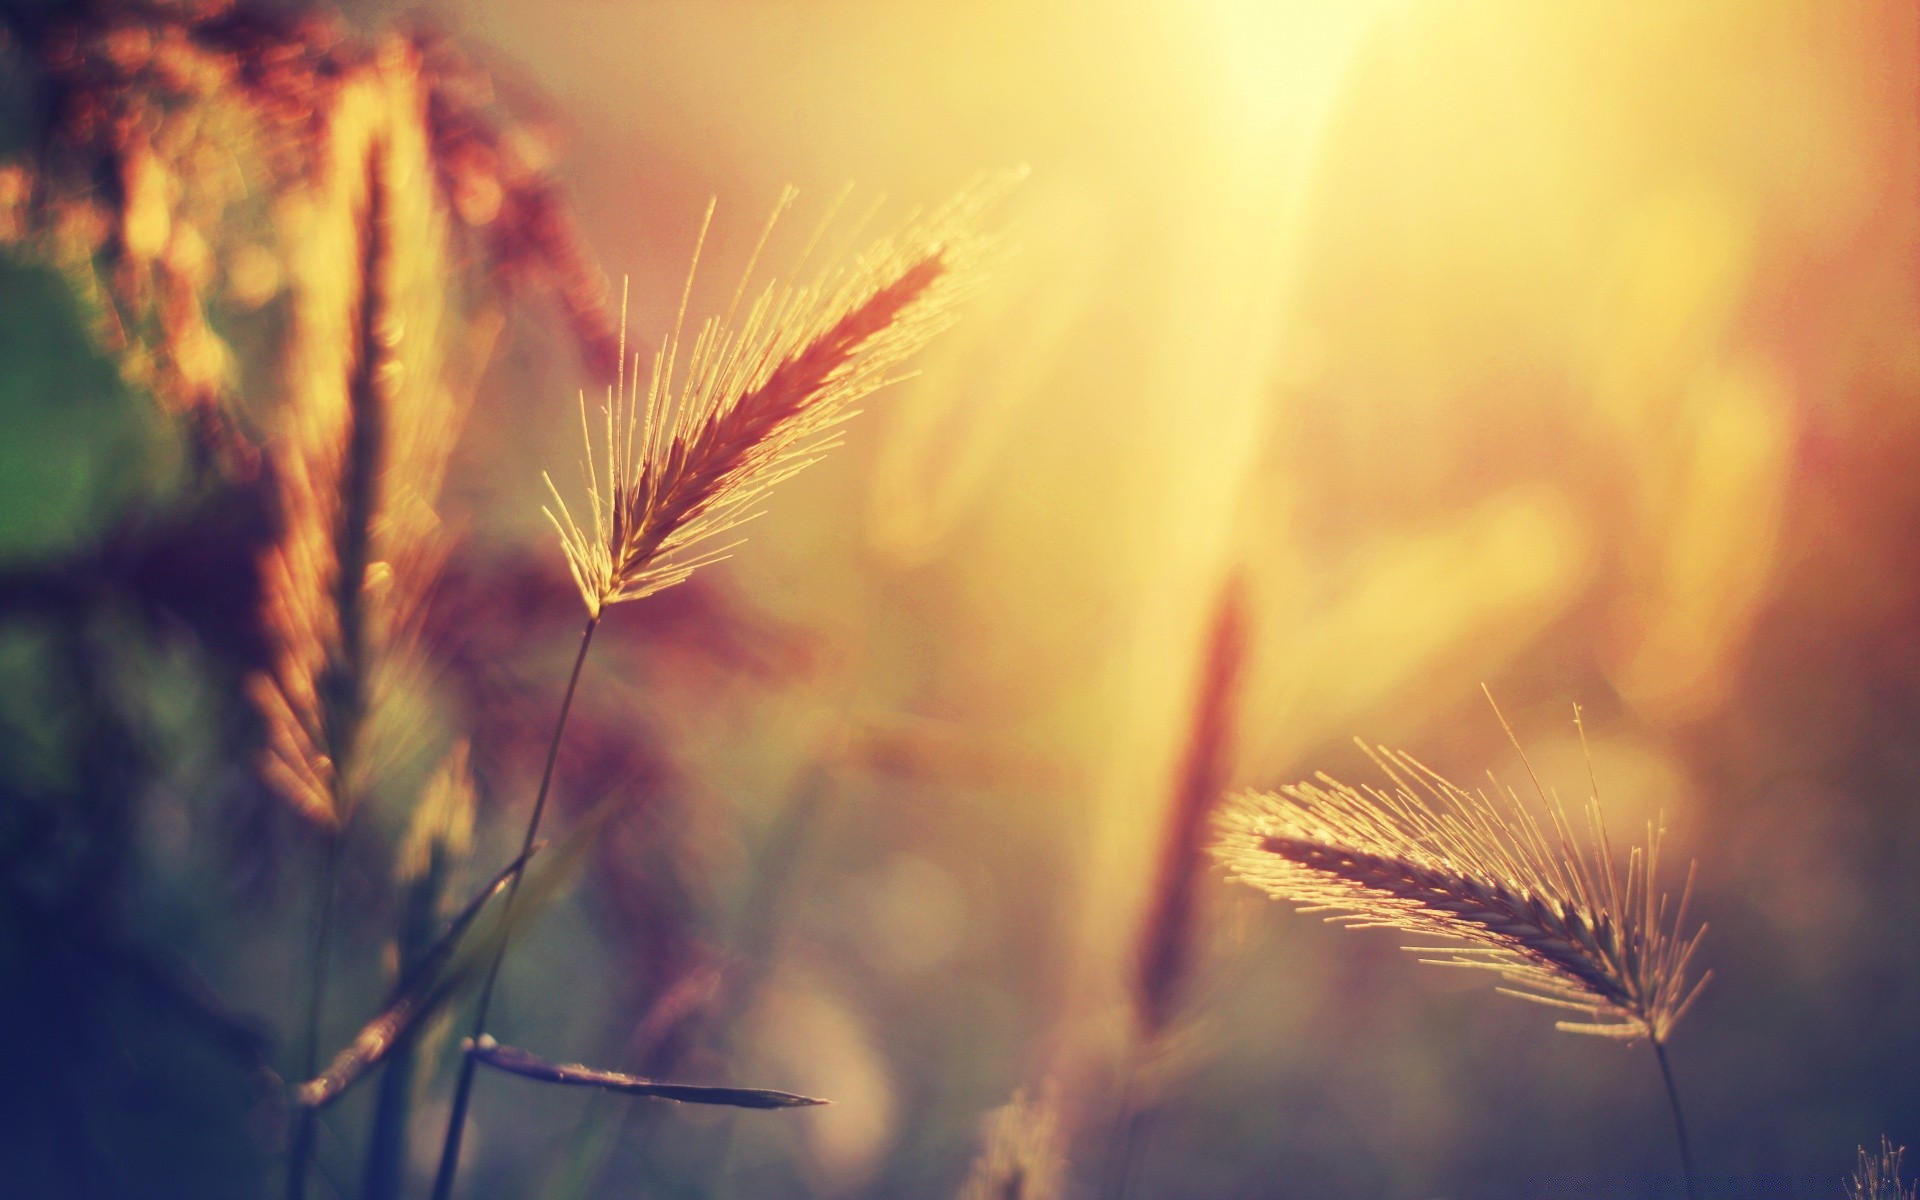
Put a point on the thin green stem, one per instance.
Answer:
(1679, 1122)
(463, 1089)
(301, 1151)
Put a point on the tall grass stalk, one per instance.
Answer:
(688, 457)
(321, 686)
(463, 1086)
(1166, 949)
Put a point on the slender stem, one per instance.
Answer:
(1129, 1123)
(1679, 1122)
(301, 1150)
(463, 1089)
(386, 1153)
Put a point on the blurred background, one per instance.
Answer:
(1572, 350)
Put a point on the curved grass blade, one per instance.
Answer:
(531, 1066)
(459, 958)
(418, 994)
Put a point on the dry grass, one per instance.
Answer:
(180, 144)
(1022, 1158)
(369, 429)
(1549, 912)
(1877, 1176)
(1164, 958)
(529, 1066)
(685, 460)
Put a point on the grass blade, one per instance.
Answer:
(531, 1066)
(423, 990)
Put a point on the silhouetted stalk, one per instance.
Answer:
(1679, 1121)
(463, 1089)
(1166, 947)
(305, 1117)
(387, 1143)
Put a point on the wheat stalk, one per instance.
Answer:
(1546, 910)
(685, 460)
(1878, 1176)
(369, 431)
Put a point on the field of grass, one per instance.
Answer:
(682, 599)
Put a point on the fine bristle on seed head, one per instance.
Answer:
(685, 459)
(1527, 898)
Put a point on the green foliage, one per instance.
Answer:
(81, 451)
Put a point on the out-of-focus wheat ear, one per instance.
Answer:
(328, 511)
(369, 425)
(1023, 1155)
(1164, 957)
(1878, 1176)
(314, 575)
(424, 401)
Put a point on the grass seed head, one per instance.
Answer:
(1510, 890)
(685, 459)
(359, 462)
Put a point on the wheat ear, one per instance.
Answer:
(315, 698)
(358, 465)
(1164, 955)
(1553, 916)
(687, 459)
(1546, 910)
(1165, 947)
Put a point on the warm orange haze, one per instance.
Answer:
(491, 708)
